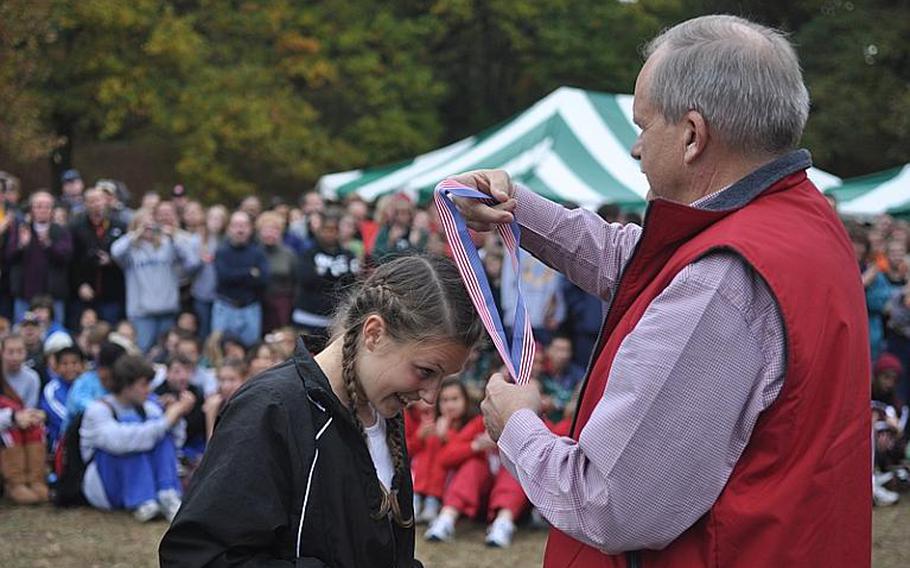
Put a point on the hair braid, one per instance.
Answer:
(349, 373)
(394, 436)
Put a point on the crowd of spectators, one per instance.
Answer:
(125, 331)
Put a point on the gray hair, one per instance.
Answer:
(744, 78)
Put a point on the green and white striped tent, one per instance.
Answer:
(873, 194)
(572, 145)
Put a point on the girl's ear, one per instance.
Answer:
(373, 331)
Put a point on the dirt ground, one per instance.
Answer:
(46, 538)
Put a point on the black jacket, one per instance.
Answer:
(284, 440)
(106, 280)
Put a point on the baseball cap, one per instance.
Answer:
(70, 175)
(57, 341)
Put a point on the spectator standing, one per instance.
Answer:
(205, 281)
(151, 256)
(399, 235)
(283, 272)
(542, 289)
(71, 192)
(242, 272)
(97, 279)
(38, 253)
(324, 270)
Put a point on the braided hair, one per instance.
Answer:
(419, 298)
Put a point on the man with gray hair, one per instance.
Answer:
(724, 418)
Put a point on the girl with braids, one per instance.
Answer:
(307, 466)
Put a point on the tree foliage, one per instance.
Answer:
(270, 94)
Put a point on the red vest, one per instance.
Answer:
(800, 494)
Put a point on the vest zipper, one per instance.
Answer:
(633, 559)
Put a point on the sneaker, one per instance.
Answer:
(430, 510)
(169, 500)
(442, 529)
(500, 533)
(882, 478)
(147, 511)
(883, 497)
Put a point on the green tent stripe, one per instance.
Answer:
(856, 187)
(615, 119)
(578, 159)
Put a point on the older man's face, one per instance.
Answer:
(660, 146)
(42, 208)
(239, 228)
(95, 202)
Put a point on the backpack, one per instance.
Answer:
(69, 465)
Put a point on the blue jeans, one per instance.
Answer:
(203, 311)
(20, 306)
(243, 323)
(132, 479)
(150, 328)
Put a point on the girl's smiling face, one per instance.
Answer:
(392, 374)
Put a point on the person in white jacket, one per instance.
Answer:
(129, 445)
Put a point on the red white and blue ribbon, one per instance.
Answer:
(517, 354)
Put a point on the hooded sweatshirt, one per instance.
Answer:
(153, 273)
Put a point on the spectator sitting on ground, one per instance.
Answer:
(177, 381)
(42, 307)
(87, 318)
(889, 423)
(128, 443)
(90, 340)
(22, 457)
(92, 384)
(260, 357)
(190, 347)
(231, 375)
(33, 335)
(65, 363)
(126, 329)
(561, 374)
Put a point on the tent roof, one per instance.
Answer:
(572, 145)
(881, 192)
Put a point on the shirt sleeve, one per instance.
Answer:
(100, 430)
(578, 243)
(676, 415)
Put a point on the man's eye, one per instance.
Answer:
(424, 372)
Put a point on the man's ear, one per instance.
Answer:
(697, 135)
(373, 331)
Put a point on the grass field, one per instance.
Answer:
(83, 538)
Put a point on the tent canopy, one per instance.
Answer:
(882, 192)
(571, 146)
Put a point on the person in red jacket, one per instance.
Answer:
(477, 479)
(724, 420)
(428, 431)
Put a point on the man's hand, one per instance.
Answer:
(495, 183)
(504, 399)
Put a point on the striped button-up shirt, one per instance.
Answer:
(684, 393)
